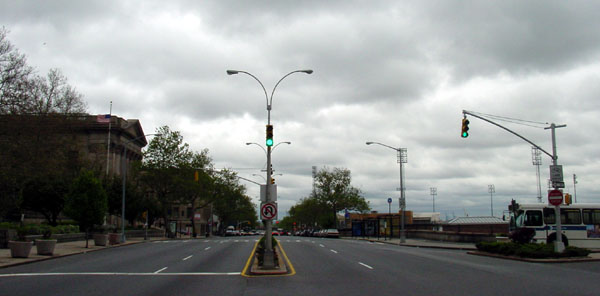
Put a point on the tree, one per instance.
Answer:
(86, 202)
(334, 192)
(231, 203)
(46, 196)
(35, 129)
(163, 160)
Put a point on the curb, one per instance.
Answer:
(252, 270)
(420, 246)
(532, 260)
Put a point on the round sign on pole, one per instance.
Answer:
(555, 197)
(389, 200)
(268, 211)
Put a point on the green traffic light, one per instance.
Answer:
(465, 134)
(269, 142)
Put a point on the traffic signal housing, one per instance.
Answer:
(568, 199)
(269, 135)
(465, 128)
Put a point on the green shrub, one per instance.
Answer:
(530, 250)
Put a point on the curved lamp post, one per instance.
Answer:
(401, 159)
(269, 261)
(124, 168)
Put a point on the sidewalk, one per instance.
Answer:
(421, 243)
(65, 249)
(470, 247)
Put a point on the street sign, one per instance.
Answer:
(557, 184)
(402, 203)
(268, 211)
(390, 200)
(555, 197)
(556, 173)
(272, 192)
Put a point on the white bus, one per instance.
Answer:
(580, 223)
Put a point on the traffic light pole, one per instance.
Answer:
(558, 245)
(269, 261)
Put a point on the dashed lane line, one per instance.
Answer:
(367, 266)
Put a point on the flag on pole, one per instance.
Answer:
(103, 118)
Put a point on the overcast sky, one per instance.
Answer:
(394, 72)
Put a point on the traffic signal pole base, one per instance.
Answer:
(559, 247)
(269, 260)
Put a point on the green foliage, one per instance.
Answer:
(333, 193)
(86, 202)
(530, 250)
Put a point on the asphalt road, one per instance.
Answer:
(323, 267)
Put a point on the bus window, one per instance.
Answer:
(549, 218)
(591, 216)
(570, 216)
(533, 218)
(567, 216)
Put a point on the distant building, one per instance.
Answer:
(482, 224)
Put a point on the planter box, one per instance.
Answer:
(114, 238)
(100, 239)
(20, 249)
(45, 246)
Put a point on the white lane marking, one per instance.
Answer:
(186, 241)
(158, 271)
(205, 249)
(246, 240)
(334, 251)
(236, 241)
(115, 273)
(367, 266)
(297, 241)
(188, 257)
(322, 246)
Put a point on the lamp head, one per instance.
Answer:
(248, 143)
(369, 143)
(232, 72)
(307, 71)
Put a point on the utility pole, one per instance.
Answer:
(559, 246)
(536, 159)
(575, 187)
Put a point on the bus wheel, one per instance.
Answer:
(552, 237)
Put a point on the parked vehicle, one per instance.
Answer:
(332, 233)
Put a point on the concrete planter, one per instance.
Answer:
(100, 239)
(114, 238)
(45, 246)
(20, 249)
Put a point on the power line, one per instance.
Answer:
(514, 120)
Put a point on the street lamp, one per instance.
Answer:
(124, 168)
(402, 158)
(269, 261)
(261, 147)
